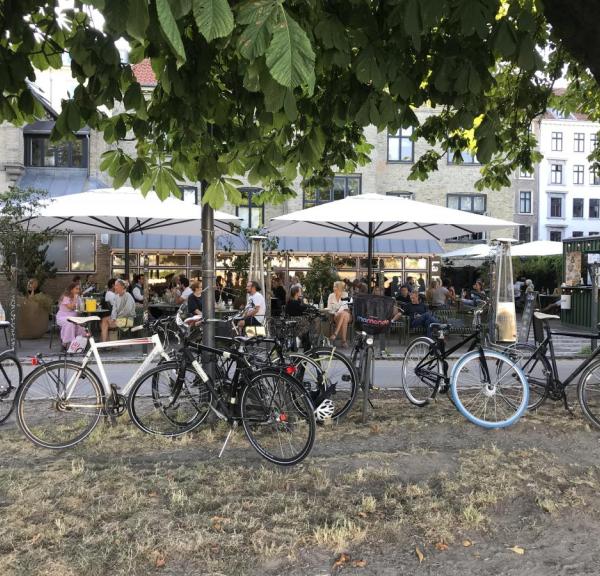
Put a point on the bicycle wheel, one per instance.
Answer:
(153, 407)
(278, 417)
(537, 370)
(588, 392)
(339, 378)
(11, 375)
(421, 371)
(59, 404)
(490, 391)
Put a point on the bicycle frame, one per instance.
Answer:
(93, 350)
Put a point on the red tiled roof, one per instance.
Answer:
(143, 73)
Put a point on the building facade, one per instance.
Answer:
(569, 189)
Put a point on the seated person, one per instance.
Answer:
(89, 286)
(477, 295)
(337, 304)
(67, 307)
(109, 295)
(123, 310)
(137, 288)
(295, 308)
(254, 312)
(403, 296)
(418, 314)
(33, 287)
(279, 297)
(194, 300)
(440, 296)
(184, 290)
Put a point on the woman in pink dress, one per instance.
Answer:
(67, 306)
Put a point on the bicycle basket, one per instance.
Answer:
(373, 314)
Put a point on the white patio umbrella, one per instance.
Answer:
(537, 248)
(379, 216)
(126, 211)
(474, 252)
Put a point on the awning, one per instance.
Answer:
(59, 181)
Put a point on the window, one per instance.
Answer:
(467, 158)
(342, 186)
(400, 146)
(251, 213)
(556, 173)
(593, 141)
(408, 195)
(557, 142)
(524, 233)
(577, 234)
(39, 151)
(593, 233)
(523, 175)
(594, 176)
(555, 235)
(468, 203)
(189, 194)
(578, 174)
(594, 208)
(73, 253)
(577, 207)
(579, 142)
(556, 207)
(525, 202)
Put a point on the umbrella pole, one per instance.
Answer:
(127, 248)
(370, 258)
(208, 274)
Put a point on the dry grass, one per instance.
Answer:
(126, 503)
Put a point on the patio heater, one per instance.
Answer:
(257, 267)
(503, 314)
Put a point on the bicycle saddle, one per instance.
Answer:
(542, 316)
(439, 326)
(80, 320)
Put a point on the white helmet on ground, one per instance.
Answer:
(324, 410)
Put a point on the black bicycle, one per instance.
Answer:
(11, 376)
(542, 373)
(273, 408)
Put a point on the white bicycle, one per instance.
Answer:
(61, 402)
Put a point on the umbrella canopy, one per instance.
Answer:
(379, 216)
(474, 252)
(538, 248)
(126, 211)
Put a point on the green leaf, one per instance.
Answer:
(133, 96)
(367, 69)
(289, 105)
(504, 42)
(137, 18)
(290, 57)
(213, 18)
(527, 52)
(214, 195)
(165, 185)
(412, 22)
(168, 25)
(73, 116)
(122, 173)
(180, 8)
(259, 15)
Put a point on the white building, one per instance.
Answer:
(569, 190)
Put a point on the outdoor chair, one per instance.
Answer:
(5, 327)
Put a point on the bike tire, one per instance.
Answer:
(340, 374)
(419, 359)
(588, 393)
(11, 376)
(496, 404)
(366, 378)
(537, 370)
(43, 411)
(273, 406)
(153, 409)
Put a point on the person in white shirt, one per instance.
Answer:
(184, 288)
(137, 290)
(254, 312)
(110, 296)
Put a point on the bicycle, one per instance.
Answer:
(61, 402)
(11, 376)
(491, 398)
(542, 374)
(274, 409)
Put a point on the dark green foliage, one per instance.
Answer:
(319, 280)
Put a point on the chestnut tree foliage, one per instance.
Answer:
(282, 89)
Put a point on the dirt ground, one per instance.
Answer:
(415, 491)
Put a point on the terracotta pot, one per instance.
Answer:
(32, 320)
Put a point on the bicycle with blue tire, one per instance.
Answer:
(486, 386)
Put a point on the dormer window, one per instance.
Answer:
(40, 152)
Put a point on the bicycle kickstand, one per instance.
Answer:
(229, 434)
(567, 407)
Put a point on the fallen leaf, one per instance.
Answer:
(441, 546)
(160, 561)
(342, 559)
(153, 494)
(518, 550)
(375, 429)
(359, 563)
(37, 538)
(467, 543)
(362, 514)
(419, 554)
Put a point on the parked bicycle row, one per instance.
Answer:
(274, 392)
